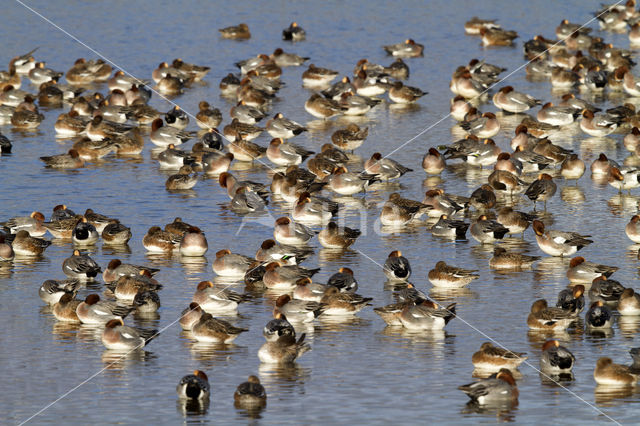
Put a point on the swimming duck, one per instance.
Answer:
(485, 126)
(385, 168)
(426, 315)
(323, 108)
(33, 224)
(309, 291)
(95, 311)
(26, 245)
(473, 26)
(146, 301)
(158, 241)
(229, 181)
(182, 180)
(512, 101)
(25, 118)
(313, 210)
(65, 309)
(571, 299)
(629, 303)
(498, 388)
(118, 336)
(194, 386)
(284, 277)
(116, 269)
(504, 260)
(62, 228)
(237, 32)
(285, 153)
(212, 330)
(446, 276)
(51, 291)
(396, 267)
(193, 243)
(6, 251)
(545, 318)
(177, 118)
(343, 182)
(127, 287)
(338, 237)
(246, 114)
(483, 198)
(401, 94)
(278, 328)
(288, 232)
(633, 229)
(581, 271)
(217, 300)
(492, 36)
(70, 160)
(441, 203)
(197, 72)
(299, 311)
(556, 359)
(337, 303)
(80, 266)
(343, 280)
(285, 350)
(391, 313)
(572, 167)
(624, 178)
(485, 230)
(349, 138)
(317, 77)
(84, 233)
(164, 136)
(515, 221)
(408, 49)
(178, 227)
(270, 250)
(250, 394)
(597, 126)
(294, 33)
(190, 316)
(449, 228)
(609, 374)
(606, 290)
(493, 358)
(557, 115)
(398, 211)
(229, 264)
(244, 150)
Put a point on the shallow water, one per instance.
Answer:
(359, 370)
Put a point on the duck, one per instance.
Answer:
(284, 277)
(194, 386)
(484, 126)
(116, 269)
(231, 184)
(581, 271)
(65, 309)
(158, 241)
(246, 113)
(397, 267)
(33, 224)
(632, 229)
(270, 250)
(309, 291)
(441, 203)
(498, 388)
(278, 328)
(116, 233)
(515, 221)
(69, 160)
(483, 198)
(384, 168)
(95, 311)
(284, 59)
(541, 189)
(283, 153)
(100, 128)
(607, 373)
(288, 232)
(599, 316)
(350, 138)
(606, 290)
(244, 202)
(390, 314)
(629, 303)
(244, 150)
(502, 259)
(208, 117)
(426, 315)
(449, 228)
(313, 210)
(557, 115)
(236, 32)
(337, 237)
(343, 280)
(497, 36)
(51, 291)
(433, 163)
(212, 330)
(408, 49)
(228, 264)
(285, 350)
(298, 311)
(493, 358)
(597, 126)
(193, 243)
(512, 101)
(190, 316)
(447, 276)
(6, 251)
(178, 227)
(127, 287)
(177, 118)
(315, 77)
(344, 182)
(26, 118)
(571, 299)
(182, 180)
(172, 158)
(294, 33)
(62, 228)
(323, 108)
(216, 300)
(487, 231)
(283, 128)
(624, 178)
(558, 243)
(398, 211)
(337, 303)
(118, 336)
(602, 165)
(163, 136)
(473, 26)
(146, 302)
(84, 233)
(402, 94)
(197, 72)
(26, 245)
(80, 266)
(555, 359)
(544, 318)
(216, 163)
(572, 167)
(250, 394)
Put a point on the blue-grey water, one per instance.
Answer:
(359, 371)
